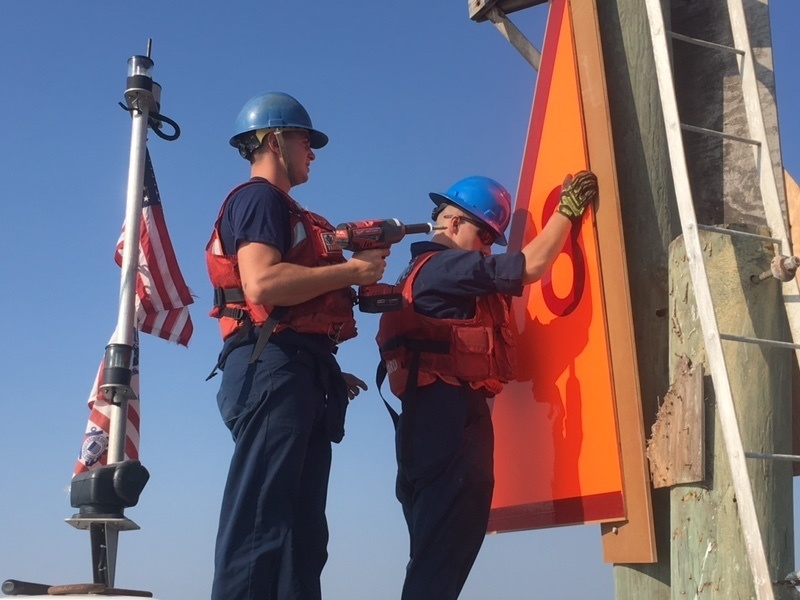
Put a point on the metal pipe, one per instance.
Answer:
(784, 457)
(116, 385)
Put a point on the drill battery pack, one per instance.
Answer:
(379, 298)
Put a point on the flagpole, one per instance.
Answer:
(142, 99)
(103, 494)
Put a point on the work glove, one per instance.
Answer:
(577, 193)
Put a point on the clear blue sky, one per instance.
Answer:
(413, 96)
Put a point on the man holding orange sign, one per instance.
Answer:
(446, 350)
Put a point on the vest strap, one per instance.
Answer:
(224, 296)
(247, 325)
(415, 345)
(380, 377)
(267, 328)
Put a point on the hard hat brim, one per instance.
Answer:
(317, 138)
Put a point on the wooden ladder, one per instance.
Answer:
(774, 217)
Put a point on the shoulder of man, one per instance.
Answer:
(445, 257)
(256, 212)
(439, 262)
(257, 191)
(259, 198)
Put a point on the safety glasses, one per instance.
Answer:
(485, 235)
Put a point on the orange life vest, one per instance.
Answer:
(479, 351)
(312, 245)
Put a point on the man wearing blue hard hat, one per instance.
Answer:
(284, 301)
(446, 350)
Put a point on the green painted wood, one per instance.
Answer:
(708, 556)
(650, 222)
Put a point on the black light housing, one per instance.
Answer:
(107, 491)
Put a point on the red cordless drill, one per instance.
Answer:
(373, 235)
(376, 234)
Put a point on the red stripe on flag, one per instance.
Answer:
(133, 416)
(131, 449)
(186, 333)
(170, 320)
(99, 419)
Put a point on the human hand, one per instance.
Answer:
(368, 266)
(577, 193)
(353, 383)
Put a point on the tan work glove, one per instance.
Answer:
(577, 193)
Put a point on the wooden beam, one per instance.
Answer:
(649, 225)
(709, 548)
(676, 449)
(515, 37)
(632, 540)
(793, 211)
(478, 9)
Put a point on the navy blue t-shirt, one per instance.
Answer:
(447, 285)
(256, 213)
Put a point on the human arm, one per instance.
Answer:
(449, 283)
(541, 252)
(256, 227)
(267, 280)
(577, 193)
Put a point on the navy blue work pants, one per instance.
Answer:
(273, 534)
(445, 446)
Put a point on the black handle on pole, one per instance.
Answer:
(14, 587)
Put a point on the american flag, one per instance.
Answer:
(162, 301)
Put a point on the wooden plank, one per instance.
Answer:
(633, 540)
(676, 450)
(650, 225)
(95, 589)
(793, 209)
(479, 8)
(793, 212)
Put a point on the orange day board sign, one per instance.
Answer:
(557, 458)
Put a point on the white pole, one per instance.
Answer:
(119, 352)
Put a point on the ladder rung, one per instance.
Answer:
(759, 341)
(712, 45)
(765, 456)
(720, 134)
(736, 233)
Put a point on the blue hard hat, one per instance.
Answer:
(274, 110)
(483, 198)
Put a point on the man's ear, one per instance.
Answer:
(453, 223)
(272, 142)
